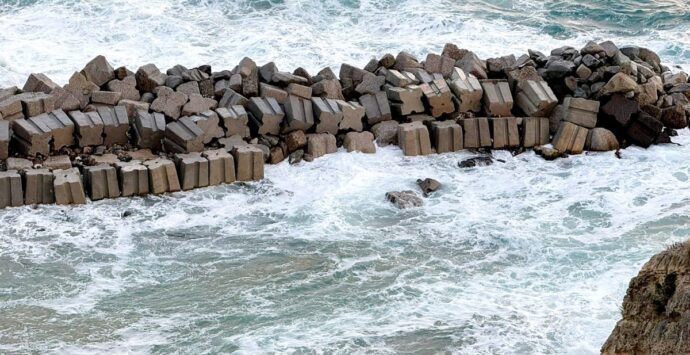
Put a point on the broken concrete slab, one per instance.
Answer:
(328, 115)
(413, 139)
(149, 129)
(162, 176)
(477, 132)
(38, 186)
(505, 132)
(101, 182)
(267, 115)
(249, 163)
(11, 191)
(68, 187)
(192, 170)
(353, 114)
(221, 167)
(535, 131)
(498, 100)
(446, 136)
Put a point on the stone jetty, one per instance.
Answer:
(113, 132)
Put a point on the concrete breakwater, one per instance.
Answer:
(111, 132)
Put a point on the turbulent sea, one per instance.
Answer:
(522, 257)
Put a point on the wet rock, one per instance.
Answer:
(99, 71)
(149, 77)
(547, 153)
(360, 142)
(601, 140)
(404, 199)
(620, 83)
(386, 133)
(428, 186)
(476, 162)
(296, 157)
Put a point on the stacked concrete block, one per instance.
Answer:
(18, 164)
(498, 100)
(106, 97)
(267, 90)
(162, 176)
(439, 64)
(234, 119)
(38, 186)
(149, 77)
(353, 114)
(320, 144)
(115, 124)
(423, 76)
(477, 132)
(35, 103)
(209, 123)
(535, 98)
(302, 91)
(580, 111)
(183, 136)
(570, 138)
(400, 79)
(10, 108)
(57, 162)
(299, 115)
(407, 100)
(249, 163)
(328, 115)
(98, 71)
(11, 192)
(149, 129)
(5, 135)
(535, 131)
(221, 167)
(413, 139)
(446, 136)
(60, 126)
(439, 98)
(376, 107)
(133, 177)
(192, 170)
(267, 115)
(101, 182)
(169, 102)
(31, 136)
(68, 187)
(89, 128)
(505, 132)
(467, 89)
(360, 142)
(39, 82)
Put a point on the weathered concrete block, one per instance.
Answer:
(209, 123)
(234, 119)
(299, 114)
(439, 64)
(133, 177)
(162, 176)
(536, 98)
(88, 126)
(36, 103)
(68, 187)
(19, 164)
(134, 106)
(580, 111)
(11, 193)
(320, 144)
(31, 136)
(377, 107)
(535, 131)
(413, 139)
(127, 87)
(149, 129)
(192, 170)
(81, 88)
(406, 101)
(360, 142)
(353, 113)
(5, 135)
(169, 102)
(39, 82)
(188, 88)
(38, 186)
(101, 182)
(438, 97)
(106, 97)
(386, 132)
(328, 115)
(10, 108)
(249, 163)
(498, 100)
(57, 162)
(98, 71)
(299, 90)
(467, 89)
(267, 115)
(446, 136)
(644, 129)
(232, 98)
(505, 132)
(267, 90)
(400, 79)
(570, 138)
(149, 77)
(423, 76)
(184, 136)
(601, 140)
(221, 167)
(61, 128)
(477, 132)
(115, 124)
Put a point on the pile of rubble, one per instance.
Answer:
(598, 98)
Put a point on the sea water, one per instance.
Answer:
(521, 257)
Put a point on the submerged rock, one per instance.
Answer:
(404, 199)
(475, 162)
(548, 153)
(428, 186)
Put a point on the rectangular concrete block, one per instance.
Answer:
(68, 187)
(192, 170)
(423, 76)
(446, 136)
(57, 162)
(36, 103)
(535, 98)
(183, 136)
(5, 135)
(10, 106)
(267, 115)
(31, 137)
(477, 132)
(221, 167)
(438, 97)
(61, 128)
(535, 131)
(299, 115)
(320, 144)
(234, 119)
(149, 129)
(162, 176)
(413, 139)
(505, 132)
(467, 89)
(133, 177)
(11, 192)
(249, 163)
(406, 101)
(88, 126)
(580, 111)
(376, 107)
(498, 100)
(19, 164)
(209, 123)
(328, 115)
(101, 182)
(115, 124)
(267, 90)
(570, 138)
(38, 187)
(106, 97)
(400, 79)
(353, 114)
(299, 90)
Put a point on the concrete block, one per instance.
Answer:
(5, 135)
(446, 136)
(505, 132)
(400, 79)
(99, 71)
(467, 89)
(320, 144)
(438, 97)
(535, 98)
(162, 176)
(267, 90)
(57, 162)
(149, 129)
(267, 115)
(477, 132)
(134, 106)
(498, 100)
(221, 167)
(11, 193)
(232, 98)
(413, 139)
(149, 77)
(183, 136)
(106, 97)
(407, 100)
(35, 103)
(234, 119)
(209, 123)
(328, 115)
(38, 186)
(31, 137)
(39, 82)
(644, 129)
(580, 111)
(169, 102)
(101, 182)
(115, 124)
(68, 187)
(192, 170)
(299, 90)
(535, 131)
(249, 163)
(127, 87)
(376, 107)
(133, 177)
(299, 114)
(360, 142)
(353, 113)
(423, 76)
(88, 126)
(570, 138)
(61, 127)
(439, 64)
(19, 164)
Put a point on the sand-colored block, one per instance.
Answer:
(221, 167)
(68, 187)
(11, 192)
(192, 170)
(162, 176)
(101, 182)
(38, 186)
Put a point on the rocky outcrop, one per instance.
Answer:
(656, 308)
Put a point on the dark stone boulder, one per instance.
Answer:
(428, 186)
(404, 199)
(476, 162)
